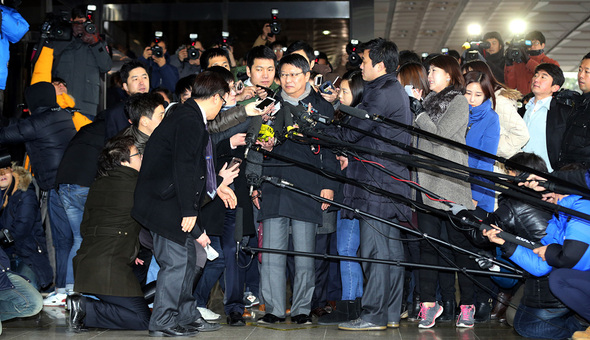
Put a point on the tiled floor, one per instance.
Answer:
(51, 324)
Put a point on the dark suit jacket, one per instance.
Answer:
(172, 179)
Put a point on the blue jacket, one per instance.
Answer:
(567, 238)
(165, 76)
(483, 132)
(14, 28)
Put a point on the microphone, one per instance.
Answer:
(252, 133)
(469, 219)
(353, 111)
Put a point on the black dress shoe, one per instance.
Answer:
(236, 319)
(202, 325)
(174, 331)
(483, 311)
(301, 319)
(77, 312)
(449, 311)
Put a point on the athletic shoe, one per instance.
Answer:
(361, 325)
(208, 314)
(301, 319)
(55, 300)
(466, 317)
(250, 300)
(428, 315)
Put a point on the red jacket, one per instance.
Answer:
(519, 76)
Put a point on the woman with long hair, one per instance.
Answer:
(445, 113)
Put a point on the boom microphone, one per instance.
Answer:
(252, 133)
(353, 111)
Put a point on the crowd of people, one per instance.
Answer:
(175, 187)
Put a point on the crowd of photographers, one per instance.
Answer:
(261, 121)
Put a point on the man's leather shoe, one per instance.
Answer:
(174, 331)
(77, 312)
(202, 325)
(236, 319)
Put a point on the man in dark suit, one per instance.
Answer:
(177, 175)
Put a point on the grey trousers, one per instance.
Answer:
(382, 298)
(273, 281)
(174, 303)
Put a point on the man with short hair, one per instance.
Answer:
(145, 112)
(261, 65)
(185, 65)
(282, 211)
(177, 175)
(85, 54)
(495, 54)
(518, 74)
(160, 71)
(135, 80)
(546, 128)
(385, 96)
(215, 57)
(575, 147)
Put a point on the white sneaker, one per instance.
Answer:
(208, 314)
(55, 300)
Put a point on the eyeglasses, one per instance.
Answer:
(224, 101)
(292, 75)
(136, 154)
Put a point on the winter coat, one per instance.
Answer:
(496, 62)
(525, 220)
(513, 130)
(172, 181)
(110, 243)
(484, 134)
(75, 58)
(446, 114)
(567, 241)
(22, 218)
(278, 202)
(185, 68)
(383, 96)
(575, 147)
(14, 27)
(519, 76)
(46, 133)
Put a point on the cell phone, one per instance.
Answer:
(264, 104)
(409, 89)
(337, 82)
(327, 87)
(239, 86)
(318, 80)
(234, 161)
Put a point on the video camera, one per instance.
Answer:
(473, 49)
(352, 49)
(157, 50)
(193, 53)
(56, 27)
(275, 26)
(514, 50)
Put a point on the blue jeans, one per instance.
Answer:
(21, 301)
(548, 323)
(73, 197)
(21, 268)
(211, 273)
(62, 237)
(348, 244)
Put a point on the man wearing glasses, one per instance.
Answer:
(283, 212)
(518, 74)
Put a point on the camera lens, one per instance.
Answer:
(90, 28)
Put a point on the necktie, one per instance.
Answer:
(211, 176)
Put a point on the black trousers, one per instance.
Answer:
(174, 303)
(117, 312)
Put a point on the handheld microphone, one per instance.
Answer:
(252, 133)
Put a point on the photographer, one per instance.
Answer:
(160, 71)
(22, 218)
(495, 54)
(81, 60)
(519, 71)
(265, 36)
(186, 65)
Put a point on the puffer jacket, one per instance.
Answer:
(14, 27)
(513, 131)
(46, 133)
(22, 217)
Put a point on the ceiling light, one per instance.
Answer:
(326, 32)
